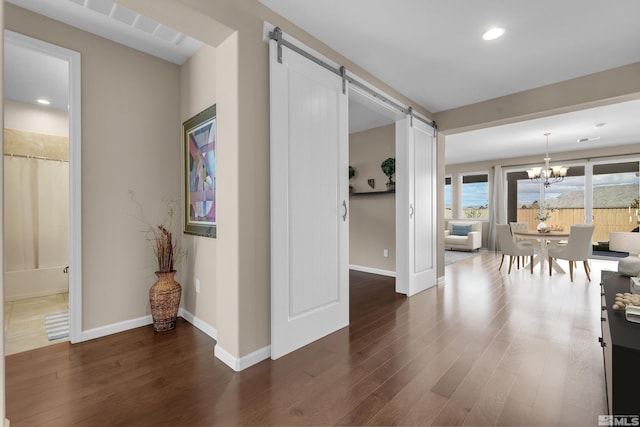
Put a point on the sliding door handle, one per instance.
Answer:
(346, 210)
(410, 211)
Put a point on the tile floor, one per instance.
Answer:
(24, 322)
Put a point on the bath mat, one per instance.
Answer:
(57, 325)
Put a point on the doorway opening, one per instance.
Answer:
(41, 194)
(309, 149)
(372, 203)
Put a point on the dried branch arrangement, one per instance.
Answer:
(161, 239)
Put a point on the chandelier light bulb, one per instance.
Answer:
(550, 174)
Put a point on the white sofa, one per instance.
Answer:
(463, 235)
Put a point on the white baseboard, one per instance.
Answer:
(372, 270)
(239, 364)
(440, 280)
(114, 328)
(199, 323)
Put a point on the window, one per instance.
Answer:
(615, 187)
(565, 198)
(475, 196)
(447, 197)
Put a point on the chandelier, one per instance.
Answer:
(548, 175)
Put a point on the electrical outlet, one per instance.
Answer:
(197, 286)
(385, 253)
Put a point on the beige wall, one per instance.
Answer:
(605, 87)
(229, 309)
(238, 307)
(243, 260)
(372, 219)
(198, 79)
(440, 166)
(130, 142)
(2, 391)
(33, 118)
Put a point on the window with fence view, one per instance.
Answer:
(475, 196)
(616, 193)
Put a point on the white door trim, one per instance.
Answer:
(75, 172)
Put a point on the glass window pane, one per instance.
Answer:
(615, 187)
(528, 202)
(475, 196)
(616, 200)
(447, 197)
(565, 200)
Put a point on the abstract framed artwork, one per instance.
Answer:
(199, 135)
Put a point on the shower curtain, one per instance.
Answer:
(36, 222)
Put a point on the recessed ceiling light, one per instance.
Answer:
(43, 101)
(600, 125)
(493, 33)
(593, 138)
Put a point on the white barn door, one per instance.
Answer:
(415, 207)
(309, 202)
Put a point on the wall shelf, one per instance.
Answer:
(372, 193)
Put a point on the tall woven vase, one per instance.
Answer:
(164, 298)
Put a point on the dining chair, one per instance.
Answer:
(508, 246)
(578, 248)
(520, 226)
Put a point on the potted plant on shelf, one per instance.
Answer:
(389, 169)
(352, 173)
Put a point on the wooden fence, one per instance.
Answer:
(605, 220)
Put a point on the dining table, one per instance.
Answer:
(544, 239)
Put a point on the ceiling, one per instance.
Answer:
(115, 22)
(432, 52)
(607, 126)
(30, 74)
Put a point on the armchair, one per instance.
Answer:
(463, 235)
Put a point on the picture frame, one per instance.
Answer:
(200, 173)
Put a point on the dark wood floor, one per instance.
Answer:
(485, 348)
